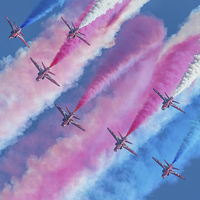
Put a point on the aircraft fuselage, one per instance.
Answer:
(72, 33)
(15, 33)
(119, 145)
(41, 74)
(167, 171)
(167, 103)
(66, 120)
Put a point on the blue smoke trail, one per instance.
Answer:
(41, 10)
(190, 139)
(137, 177)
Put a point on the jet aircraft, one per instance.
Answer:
(121, 142)
(167, 170)
(68, 118)
(168, 101)
(16, 32)
(44, 73)
(74, 32)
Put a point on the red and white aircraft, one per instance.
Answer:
(168, 101)
(167, 170)
(16, 32)
(74, 32)
(44, 73)
(68, 118)
(121, 142)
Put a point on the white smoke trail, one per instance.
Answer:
(189, 28)
(100, 7)
(190, 75)
(22, 98)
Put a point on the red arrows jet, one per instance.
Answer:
(44, 73)
(167, 170)
(16, 32)
(74, 32)
(168, 101)
(68, 118)
(121, 142)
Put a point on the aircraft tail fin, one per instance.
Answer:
(51, 73)
(166, 95)
(175, 168)
(120, 134)
(43, 65)
(166, 162)
(175, 102)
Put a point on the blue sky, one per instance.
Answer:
(173, 14)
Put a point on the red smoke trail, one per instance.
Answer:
(66, 161)
(142, 38)
(170, 70)
(72, 44)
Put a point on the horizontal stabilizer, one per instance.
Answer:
(166, 95)
(120, 134)
(129, 142)
(68, 110)
(43, 65)
(51, 73)
(15, 25)
(175, 168)
(175, 102)
(22, 34)
(166, 162)
(81, 33)
(73, 25)
(77, 118)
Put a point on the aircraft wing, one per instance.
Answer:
(162, 165)
(176, 174)
(173, 105)
(51, 79)
(127, 148)
(115, 136)
(61, 110)
(69, 26)
(84, 40)
(9, 23)
(77, 125)
(163, 97)
(22, 39)
(38, 67)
